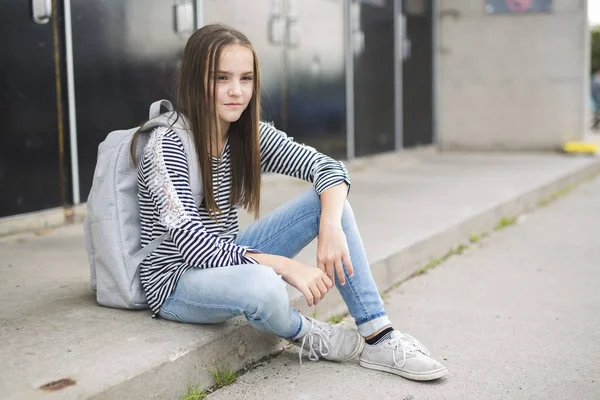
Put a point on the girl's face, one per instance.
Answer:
(235, 85)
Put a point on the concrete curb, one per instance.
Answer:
(47, 219)
(239, 345)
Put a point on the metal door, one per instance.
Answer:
(263, 22)
(125, 55)
(30, 158)
(315, 97)
(417, 73)
(373, 34)
(300, 45)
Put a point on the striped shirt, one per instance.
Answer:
(195, 240)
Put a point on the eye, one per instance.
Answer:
(222, 77)
(247, 78)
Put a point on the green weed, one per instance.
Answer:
(223, 376)
(460, 249)
(505, 222)
(194, 393)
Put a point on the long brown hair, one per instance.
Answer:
(196, 102)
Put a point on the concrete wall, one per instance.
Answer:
(511, 82)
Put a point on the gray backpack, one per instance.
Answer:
(112, 226)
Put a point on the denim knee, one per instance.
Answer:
(268, 297)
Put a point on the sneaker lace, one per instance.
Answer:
(318, 339)
(405, 345)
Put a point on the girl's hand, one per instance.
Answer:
(332, 251)
(310, 281)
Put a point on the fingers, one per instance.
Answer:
(328, 281)
(330, 273)
(322, 285)
(348, 264)
(328, 268)
(308, 295)
(320, 288)
(336, 267)
(321, 265)
(339, 268)
(317, 296)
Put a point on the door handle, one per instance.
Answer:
(41, 11)
(293, 26)
(404, 42)
(276, 24)
(358, 36)
(183, 14)
(294, 33)
(276, 30)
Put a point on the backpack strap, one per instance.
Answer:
(195, 177)
(155, 108)
(179, 124)
(149, 248)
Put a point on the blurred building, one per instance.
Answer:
(349, 77)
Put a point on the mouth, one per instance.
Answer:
(233, 104)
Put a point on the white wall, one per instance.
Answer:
(511, 82)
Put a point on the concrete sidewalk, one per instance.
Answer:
(515, 317)
(410, 207)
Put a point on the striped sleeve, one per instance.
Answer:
(280, 154)
(166, 176)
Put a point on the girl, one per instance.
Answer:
(206, 272)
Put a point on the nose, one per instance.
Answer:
(235, 90)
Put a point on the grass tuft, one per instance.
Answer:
(544, 201)
(461, 249)
(336, 319)
(505, 222)
(223, 376)
(194, 393)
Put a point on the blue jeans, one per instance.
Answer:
(210, 296)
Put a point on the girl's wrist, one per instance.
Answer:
(278, 263)
(329, 223)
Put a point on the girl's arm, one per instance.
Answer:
(331, 181)
(164, 170)
(332, 248)
(280, 154)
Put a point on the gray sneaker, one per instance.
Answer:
(402, 355)
(334, 343)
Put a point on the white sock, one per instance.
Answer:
(306, 324)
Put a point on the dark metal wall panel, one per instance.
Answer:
(29, 148)
(125, 54)
(315, 99)
(417, 80)
(374, 78)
